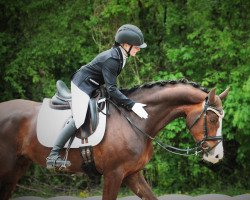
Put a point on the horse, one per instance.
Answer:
(124, 150)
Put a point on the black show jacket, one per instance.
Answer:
(103, 69)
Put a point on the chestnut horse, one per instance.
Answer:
(125, 150)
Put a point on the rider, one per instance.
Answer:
(103, 69)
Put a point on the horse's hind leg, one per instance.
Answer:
(9, 180)
(137, 183)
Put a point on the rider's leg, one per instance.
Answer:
(79, 106)
(79, 109)
(54, 159)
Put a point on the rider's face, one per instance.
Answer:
(133, 51)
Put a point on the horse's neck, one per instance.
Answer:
(165, 104)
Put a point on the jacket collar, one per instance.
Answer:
(120, 58)
(124, 56)
(124, 53)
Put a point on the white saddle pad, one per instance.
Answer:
(51, 121)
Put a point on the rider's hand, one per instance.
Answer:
(139, 110)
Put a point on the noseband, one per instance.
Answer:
(206, 137)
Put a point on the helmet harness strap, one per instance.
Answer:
(128, 52)
(131, 46)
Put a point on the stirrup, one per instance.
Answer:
(58, 162)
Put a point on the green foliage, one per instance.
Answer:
(204, 41)
(42, 182)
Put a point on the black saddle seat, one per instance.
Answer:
(63, 91)
(62, 96)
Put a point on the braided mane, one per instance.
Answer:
(163, 83)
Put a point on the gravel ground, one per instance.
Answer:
(165, 197)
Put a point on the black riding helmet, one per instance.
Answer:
(131, 35)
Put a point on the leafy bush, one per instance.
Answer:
(205, 41)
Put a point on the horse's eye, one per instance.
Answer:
(213, 119)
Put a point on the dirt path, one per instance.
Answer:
(165, 197)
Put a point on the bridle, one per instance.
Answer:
(206, 137)
(199, 144)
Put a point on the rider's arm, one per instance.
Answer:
(110, 73)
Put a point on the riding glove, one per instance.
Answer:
(139, 110)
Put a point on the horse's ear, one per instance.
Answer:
(224, 94)
(211, 96)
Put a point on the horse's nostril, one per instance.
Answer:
(217, 156)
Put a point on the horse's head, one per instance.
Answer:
(205, 123)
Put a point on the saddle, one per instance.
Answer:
(62, 100)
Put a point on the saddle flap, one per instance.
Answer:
(92, 118)
(94, 113)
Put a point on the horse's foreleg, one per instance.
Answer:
(137, 183)
(8, 182)
(112, 184)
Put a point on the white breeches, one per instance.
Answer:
(80, 102)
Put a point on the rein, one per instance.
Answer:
(183, 152)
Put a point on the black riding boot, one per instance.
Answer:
(54, 159)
